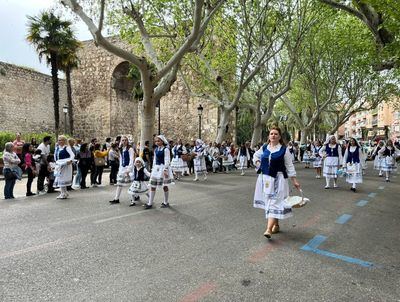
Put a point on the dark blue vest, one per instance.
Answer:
(178, 151)
(388, 152)
(139, 174)
(125, 158)
(277, 163)
(62, 153)
(332, 152)
(159, 153)
(353, 157)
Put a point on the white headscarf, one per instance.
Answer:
(199, 142)
(328, 140)
(140, 160)
(163, 138)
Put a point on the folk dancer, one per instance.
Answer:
(126, 162)
(332, 155)
(275, 165)
(177, 164)
(161, 175)
(378, 158)
(352, 162)
(63, 157)
(199, 161)
(317, 163)
(139, 184)
(388, 154)
(227, 159)
(244, 157)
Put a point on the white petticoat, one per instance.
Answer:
(270, 194)
(63, 174)
(138, 187)
(389, 164)
(317, 163)
(243, 162)
(227, 161)
(378, 162)
(123, 177)
(331, 165)
(199, 163)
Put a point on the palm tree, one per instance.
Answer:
(48, 33)
(67, 61)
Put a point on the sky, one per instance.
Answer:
(14, 48)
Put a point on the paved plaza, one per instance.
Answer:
(208, 246)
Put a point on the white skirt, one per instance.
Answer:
(317, 163)
(243, 162)
(388, 164)
(199, 164)
(123, 177)
(306, 157)
(177, 165)
(159, 179)
(63, 175)
(227, 161)
(354, 175)
(331, 165)
(138, 187)
(378, 163)
(271, 195)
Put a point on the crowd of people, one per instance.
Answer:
(143, 170)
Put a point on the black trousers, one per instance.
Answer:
(31, 176)
(114, 171)
(84, 173)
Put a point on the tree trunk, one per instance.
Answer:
(223, 125)
(256, 137)
(69, 98)
(148, 119)
(56, 95)
(303, 135)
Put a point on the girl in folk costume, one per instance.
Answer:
(161, 175)
(199, 161)
(126, 161)
(291, 150)
(378, 157)
(139, 184)
(63, 157)
(332, 155)
(275, 165)
(388, 154)
(317, 163)
(307, 156)
(214, 153)
(177, 164)
(352, 162)
(227, 159)
(244, 157)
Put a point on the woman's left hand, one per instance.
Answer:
(296, 184)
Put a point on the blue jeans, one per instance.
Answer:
(9, 188)
(78, 177)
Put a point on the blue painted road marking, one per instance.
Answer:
(343, 219)
(362, 203)
(381, 187)
(312, 245)
(372, 195)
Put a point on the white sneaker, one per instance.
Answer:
(42, 192)
(242, 173)
(205, 177)
(335, 186)
(196, 179)
(61, 196)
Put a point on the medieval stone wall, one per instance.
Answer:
(26, 100)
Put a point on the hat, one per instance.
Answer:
(163, 138)
(199, 141)
(140, 160)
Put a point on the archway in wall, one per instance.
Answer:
(123, 105)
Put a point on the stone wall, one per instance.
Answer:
(26, 100)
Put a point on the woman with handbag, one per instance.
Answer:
(275, 166)
(11, 161)
(161, 174)
(100, 158)
(331, 152)
(29, 167)
(63, 157)
(388, 154)
(352, 163)
(126, 162)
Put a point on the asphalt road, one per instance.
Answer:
(207, 247)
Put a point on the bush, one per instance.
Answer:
(10, 137)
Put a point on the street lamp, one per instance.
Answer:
(65, 110)
(200, 113)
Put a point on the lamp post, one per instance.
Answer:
(159, 117)
(65, 110)
(200, 113)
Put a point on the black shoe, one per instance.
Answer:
(147, 206)
(132, 204)
(114, 201)
(30, 194)
(164, 205)
(51, 191)
(84, 188)
(353, 189)
(136, 198)
(387, 180)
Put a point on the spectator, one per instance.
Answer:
(113, 157)
(34, 144)
(18, 144)
(11, 161)
(100, 161)
(85, 159)
(44, 165)
(29, 166)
